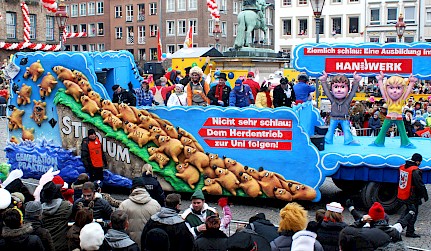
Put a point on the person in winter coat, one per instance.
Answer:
(77, 185)
(92, 155)
(411, 190)
(152, 185)
(245, 239)
(219, 94)
(196, 214)
(169, 221)
(283, 94)
(160, 91)
(264, 97)
(123, 96)
(144, 96)
(212, 239)
(94, 201)
(33, 214)
(254, 86)
(82, 218)
(263, 227)
(374, 123)
(139, 207)
(178, 98)
(303, 89)
(293, 221)
(197, 89)
(116, 239)
(17, 236)
(241, 95)
(331, 226)
(64, 188)
(362, 238)
(55, 214)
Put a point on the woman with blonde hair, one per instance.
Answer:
(395, 91)
(152, 185)
(293, 236)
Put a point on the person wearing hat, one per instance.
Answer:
(216, 78)
(284, 94)
(196, 214)
(411, 190)
(33, 214)
(262, 226)
(92, 155)
(91, 236)
(241, 95)
(254, 86)
(197, 89)
(161, 91)
(65, 190)
(170, 222)
(330, 227)
(178, 98)
(303, 89)
(144, 96)
(219, 93)
(123, 96)
(139, 207)
(374, 124)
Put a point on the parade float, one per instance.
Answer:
(269, 153)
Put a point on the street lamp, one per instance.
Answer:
(217, 33)
(61, 17)
(401, 27)
(317, 6)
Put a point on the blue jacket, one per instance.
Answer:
(240, 99)
(302, 90)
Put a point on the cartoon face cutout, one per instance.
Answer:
(395, 90)
(340, 90)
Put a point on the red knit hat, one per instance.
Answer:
(59, 181)
(377, 212)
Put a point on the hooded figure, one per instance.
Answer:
(241, 95)
(263, 227)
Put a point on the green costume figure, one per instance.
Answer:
(395, 91)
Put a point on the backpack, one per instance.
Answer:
(158, 96)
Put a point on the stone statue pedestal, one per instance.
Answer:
(251, 52)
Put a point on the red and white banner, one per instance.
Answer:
(75, 34)
(240, 133)
(249, 122)
(188, 42)
(249, 144)
(159, 47)
(213, 9)
(366, 65)
(26, 17)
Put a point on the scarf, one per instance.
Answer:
(219, 92)
(268, 99)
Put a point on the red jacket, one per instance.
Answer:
(165, 90)
(254, 86)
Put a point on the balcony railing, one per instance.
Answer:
(141, 40)
(129, 18)
(130, 40)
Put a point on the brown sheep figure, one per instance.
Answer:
(212, 187)
(188, 173)
(227, 179)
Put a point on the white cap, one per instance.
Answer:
(334, 207)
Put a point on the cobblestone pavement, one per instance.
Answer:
(244, 208)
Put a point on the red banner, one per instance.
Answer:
(249, 144)
(249, 122)
(238, 133)
(361, 65)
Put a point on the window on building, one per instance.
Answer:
(83, 47)
(118, 11)
(375, 17)
(235, 29)
(92, 47)
(235, 8)
(11, 25)
(118, 32)
(194, 23)
(391, 39)
(336, 25)
(302, 2)
(392, 15)
(67, 28)
(287, 27)
(353, 24)
(130, 35)
(129, 13)
(409, 39)
(91, 8)
(49, 28)
(180, 46)
(142, 55)
(428, 15)
(181, 5)
(83, 28)
(100, 29)
(82, 9)
(222, 7)
(170, 28)
(75, 28)
(354, 1)
(336, 1)
(100, 8)
(170, 5)
(170, 48)
(287, 2)
(181, 27)
(101, 47)
(193, 4)
(33, 20)
(141, 34)
(153, 53)
(153, 30)
(141, 13)
(223, 29)
(75, 47)
(153, 9)
(68, 10)
(409, 14)
(210, 27)
(91, 30)
(374, 40)
(74, 10)
(302, 26)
